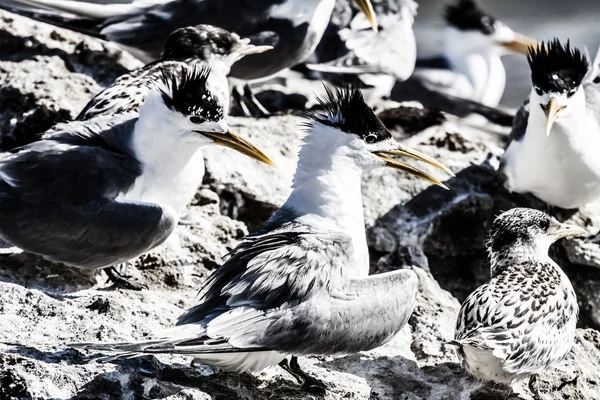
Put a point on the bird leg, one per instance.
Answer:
(535, 390)
(121, 280)
(309, 383)
(248, 103)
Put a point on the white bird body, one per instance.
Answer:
(552, 152)
(562, 168)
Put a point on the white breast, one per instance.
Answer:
(157, 184)
(561, 169)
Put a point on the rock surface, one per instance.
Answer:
(47, 74)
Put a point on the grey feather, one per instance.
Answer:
(58, 196)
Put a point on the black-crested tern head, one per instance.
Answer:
(557, 72)
(483, 30)
(196, 112)
(351, 122)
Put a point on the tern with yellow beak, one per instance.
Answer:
(301, 285)
(552, 148)
(293, 27)
(471, 66)
(96, 193)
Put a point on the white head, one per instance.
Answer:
(557, 73)
(350, 133)
(471, 30)
(182, 102)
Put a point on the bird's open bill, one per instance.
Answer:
(252, 49)
(236, 142)
(567, 230)
(520, 44)
(404, 151)
(552, 109)
(367, 8)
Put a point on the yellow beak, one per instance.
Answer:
(367, 8)
(520, 44)
(404, 151)
(552, 109)
(238, 143)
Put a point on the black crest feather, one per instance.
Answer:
(556, 67)
(465, 15)
(185, 90)
(346, 109)
(200, 41)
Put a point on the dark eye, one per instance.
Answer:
(196, 120)
(544, 224)
(370, 138)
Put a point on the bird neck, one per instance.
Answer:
(326, 192)
(482, 67)
(518, 253)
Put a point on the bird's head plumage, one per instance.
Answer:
(557, 72)
(531, 229)
(207, 43)
(480, 31)
(348, 126)
(183, 97)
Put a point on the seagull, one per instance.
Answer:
(523, 320)
(293, 27)
(551, 152)
(300, 286)
(377, 59)
(204, 45)
(471, 67)
(96, 193)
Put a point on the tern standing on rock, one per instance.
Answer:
(552, 152)
(523, 320)
(96, 193)
(201, 45)
(300, 286)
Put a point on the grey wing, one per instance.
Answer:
(519, 123)
(57, 197)
(148, 30)
(93, 235)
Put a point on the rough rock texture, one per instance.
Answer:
(47, 74)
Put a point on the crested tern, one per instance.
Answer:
(96, 193)
(202, 45)
(300, 286)
(471, 67)
(293, 27)
(523, 320)
(551, 153)
(377, 59)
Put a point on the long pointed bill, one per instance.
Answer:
(238, 143)
(252, 49)
(367, 8)
(390, 162)
(520, 44)
(567, 230)
(552, 109)
(404, 151)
